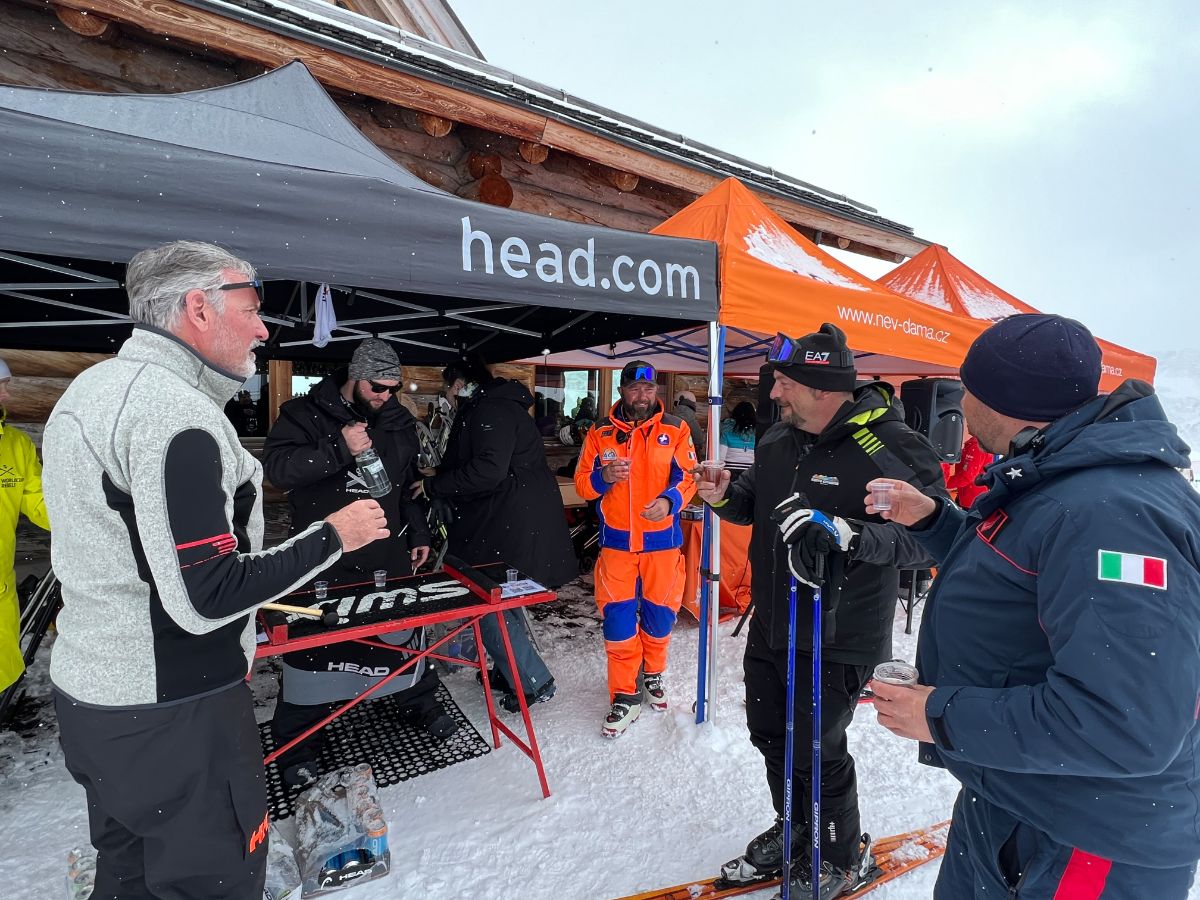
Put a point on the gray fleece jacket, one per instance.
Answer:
(157, 530)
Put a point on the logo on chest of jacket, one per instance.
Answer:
(664, 440)
(355, 483)
(826, 480)
(608, 455)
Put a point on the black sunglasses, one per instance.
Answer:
(385, 388)
(237, 285)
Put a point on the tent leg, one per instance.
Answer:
(712, 598)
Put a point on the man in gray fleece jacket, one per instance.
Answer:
(157, 543)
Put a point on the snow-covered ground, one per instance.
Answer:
(665, 803)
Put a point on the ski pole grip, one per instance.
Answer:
(819, 566)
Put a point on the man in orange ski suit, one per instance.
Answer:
(638, 462)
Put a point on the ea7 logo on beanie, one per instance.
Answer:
(814, 358)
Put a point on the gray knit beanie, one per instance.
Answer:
(374, 359)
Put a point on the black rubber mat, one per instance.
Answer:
(373, 732)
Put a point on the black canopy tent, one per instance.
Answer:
(271, 169)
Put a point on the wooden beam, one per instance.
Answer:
(529, 152)
(528, 198)
(84, 23)
(491, 189)
(279, 386)
(475, 165)
(434, 126)
(216, 32)
(532, 153)
(625, 182)
(50, 363)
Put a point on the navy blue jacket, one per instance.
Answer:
(1066, 699)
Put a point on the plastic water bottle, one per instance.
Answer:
(370, 466)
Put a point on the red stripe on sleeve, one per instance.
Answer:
(217, 539)
(1084, 877)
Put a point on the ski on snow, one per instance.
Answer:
(894, 856)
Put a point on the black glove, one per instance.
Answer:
(441, 514)
(808, 552)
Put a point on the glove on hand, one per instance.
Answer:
(441, 513)
(794, 517)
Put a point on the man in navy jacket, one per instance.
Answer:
(1060, 649)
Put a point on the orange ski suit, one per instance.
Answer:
(639, 574)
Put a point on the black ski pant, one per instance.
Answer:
(177, 803)
(766, 709)
(293, 719)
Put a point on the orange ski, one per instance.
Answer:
(894, 856)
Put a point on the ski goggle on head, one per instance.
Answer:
(784, 350)
(639, 373)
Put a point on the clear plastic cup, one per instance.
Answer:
(511, 575)
(380, 578)
(321, 589)
(897, 672)
(710, 470)
(881, 495)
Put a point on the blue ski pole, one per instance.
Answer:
(816, 731)
(789, 742)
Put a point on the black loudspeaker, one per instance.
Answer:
(766, 412)
(933, 407)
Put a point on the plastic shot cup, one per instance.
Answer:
(881, 495)
(511, 575)
(321, 589)
(897, 672)
(380, 578)
(710, 471)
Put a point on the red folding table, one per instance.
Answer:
(460, 594)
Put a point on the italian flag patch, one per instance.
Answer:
(1129, 568)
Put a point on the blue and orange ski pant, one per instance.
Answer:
(639, 596)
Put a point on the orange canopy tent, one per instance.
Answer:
(775, 279)
(935, 277)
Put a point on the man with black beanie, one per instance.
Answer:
(1058, 651)
(804, 497)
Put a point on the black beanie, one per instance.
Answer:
(1033, 367)
(824, 361)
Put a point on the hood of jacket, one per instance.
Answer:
(504, 389)
(327, 395)
(1126, 428)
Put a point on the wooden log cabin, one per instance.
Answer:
(410, 77)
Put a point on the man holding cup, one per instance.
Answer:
(804, 497)
(1059, 645)
(638, 463)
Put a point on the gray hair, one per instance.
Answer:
(157, 280)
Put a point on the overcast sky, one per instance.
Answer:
(1051, 147)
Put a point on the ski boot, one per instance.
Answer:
(625, 708)
(655, 691)
(835, 881)
(763, 859)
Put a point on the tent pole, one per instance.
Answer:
(707, 686)
(716, 400)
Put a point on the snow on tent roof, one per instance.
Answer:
(937, 278)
